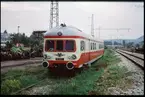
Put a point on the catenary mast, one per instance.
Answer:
(54, 14)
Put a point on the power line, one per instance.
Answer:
(117, 29)
(92, 25)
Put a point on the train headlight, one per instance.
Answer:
(49, 57)
(73, 56)
(69, 57)
(45, 56)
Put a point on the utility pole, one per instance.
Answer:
(92, 26)
(54, 14)
(99, 31)
(18, 28)
(112, 42)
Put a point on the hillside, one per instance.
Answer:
(135, 41)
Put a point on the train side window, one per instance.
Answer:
(91, 46)
(100, 46)
(95, 46)
(49, 45)
(82, 46)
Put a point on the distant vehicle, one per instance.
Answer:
(70, 48)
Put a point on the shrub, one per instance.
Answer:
(9, 86)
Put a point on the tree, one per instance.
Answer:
(5, 32)
(137, 45)
(8, 44)
(20, 38)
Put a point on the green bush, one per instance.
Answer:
(9, 86)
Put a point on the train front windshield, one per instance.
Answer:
(60, 45)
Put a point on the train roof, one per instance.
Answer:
(69, 31)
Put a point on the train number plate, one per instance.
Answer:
(59, 58)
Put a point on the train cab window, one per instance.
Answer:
(59, 45)
(82, 46)
(49, 45)
(69, 45)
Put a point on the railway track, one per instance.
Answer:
(28, 87)
(15, 63)
(137, 55)
(137, 59)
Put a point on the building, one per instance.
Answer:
(4, 38)
(114, 46)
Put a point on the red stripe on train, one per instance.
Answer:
(63, 37)
(85, 57)
(70, 37)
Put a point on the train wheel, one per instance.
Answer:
(79, 70)
(86, 66)
(51, 71)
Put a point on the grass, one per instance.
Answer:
(85, 82)
(89, 81)
(114, 76)
(80, 84)
(14, 80)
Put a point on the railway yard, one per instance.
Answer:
(118, 72)
(81, 51)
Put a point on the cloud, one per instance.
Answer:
(21, 6)
(35, 15)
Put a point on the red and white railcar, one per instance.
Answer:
(69, 47)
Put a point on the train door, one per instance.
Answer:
(84, 52)
(87, 47)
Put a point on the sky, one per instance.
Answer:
(32, 16)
